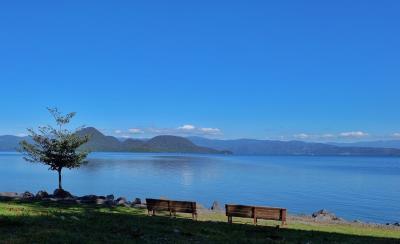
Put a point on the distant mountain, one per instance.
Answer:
(11, 143)
(378, 144)
(270, 147)
(100, 142)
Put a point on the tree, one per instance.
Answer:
(56, 147)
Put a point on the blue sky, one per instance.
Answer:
(310, 70)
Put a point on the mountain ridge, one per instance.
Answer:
(162, 143)
(295, 148)
(175, 144)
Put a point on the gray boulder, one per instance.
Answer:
(88, 199)
(324, 215)
(28, 196)
(215, 206)
(110, 197)
(41, 194)
(67, 200)
(137, 201)
(9, 195)
(121, 201)
(61, 193)
(101, 201)
(109, 203)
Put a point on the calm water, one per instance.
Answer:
(352, 187)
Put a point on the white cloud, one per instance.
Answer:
(396, 134)
(301, 136)
(330, 136)
(211, 131)
(327, 136)
(187, 127)
(184, 130)
(136, 131)
(353, 134)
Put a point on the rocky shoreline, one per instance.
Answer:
(67, 198)
(61, 196)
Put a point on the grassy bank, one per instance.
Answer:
(50, 223)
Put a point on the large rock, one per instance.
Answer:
(92, 199)
(324, 215)
(101, 201)
(121, 201)
(61, 193)
(9, 195)
(110, 197)
(109, 203)
(137, 201)
(41, 194)
(216, 207)
(88, 199)
(28, 196)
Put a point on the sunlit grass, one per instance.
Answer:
(51, 223)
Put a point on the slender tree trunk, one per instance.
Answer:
(59, 179)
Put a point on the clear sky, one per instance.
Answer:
(311, 70)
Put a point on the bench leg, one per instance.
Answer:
(154, 212)
(230, 219)
(255, 220)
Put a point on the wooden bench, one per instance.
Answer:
(170, 206)
(255, 212)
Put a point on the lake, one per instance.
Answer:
(363, 188)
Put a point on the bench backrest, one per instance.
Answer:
(270, 213)
(255, 212)
(183, 206)
(168, 205)
(239, 211)
(157, 204)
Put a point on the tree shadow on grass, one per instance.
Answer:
(42, 222)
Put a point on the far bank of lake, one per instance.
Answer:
(363, 188)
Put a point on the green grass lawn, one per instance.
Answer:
(54, 223)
